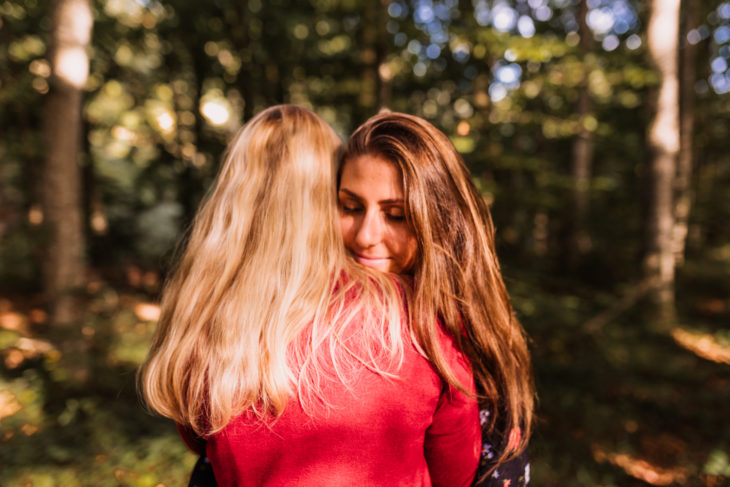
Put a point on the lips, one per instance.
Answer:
(371, 261)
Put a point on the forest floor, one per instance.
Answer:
(619, 404)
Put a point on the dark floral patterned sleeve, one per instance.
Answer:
(513, 473)
(202, 475)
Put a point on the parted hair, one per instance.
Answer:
(456, 274)
(263, 282)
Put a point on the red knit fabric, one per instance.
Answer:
(414, 430)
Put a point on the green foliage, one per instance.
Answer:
(56, 434)
(614, 397)
(171, 81)
(19, 249)
(718, 464)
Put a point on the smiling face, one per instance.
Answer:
(372, 215)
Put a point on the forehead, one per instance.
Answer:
(371, 174)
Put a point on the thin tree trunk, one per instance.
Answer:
(580, 241)
(385, 75)
(663, 39)
(369, 59)
(685, 162)
(242, 43)
(703, 182)
(274, 85)
(188, 180)
(64, 262)
(376, 76)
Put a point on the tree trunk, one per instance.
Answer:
(385, 75)
(663, 39)
(376, 76)
(242, 43)
(685, 162)
(582, 162)
(369, 58)
(64, 263)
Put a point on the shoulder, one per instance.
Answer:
(451, 350)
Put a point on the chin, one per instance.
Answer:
(378, 267)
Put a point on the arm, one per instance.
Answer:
(193, 441)
(202, 474)
(453, 441)
(513, 473)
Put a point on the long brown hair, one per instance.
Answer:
(456, 275)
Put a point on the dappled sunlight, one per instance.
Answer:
(71, 61)
(27, 348)
(33, 346)
(39, 416)
(72, 66)
(9, 405)
(721, 253)
(147, 311)
(14, 321)
(216, 112)
(625, 404)
(165, 122)
(711, 306)
(16, 349)
(640, 468)
(704, 345)
(138, 278)
(166, 85)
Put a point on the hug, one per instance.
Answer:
(338, 316)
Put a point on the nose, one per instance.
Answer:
(370, 231)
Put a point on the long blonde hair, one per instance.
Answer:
(264, 264)
(456, 275)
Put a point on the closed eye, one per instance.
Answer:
(394, 213)
(350, 208)
(395, 217)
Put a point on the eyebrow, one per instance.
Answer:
(393, 201)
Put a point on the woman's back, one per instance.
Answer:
(366, 430)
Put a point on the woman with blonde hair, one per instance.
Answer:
(408, 205)
(286, 362)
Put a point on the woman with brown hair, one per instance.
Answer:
(292, 363)
(408, 206)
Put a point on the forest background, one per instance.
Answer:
(595, 129)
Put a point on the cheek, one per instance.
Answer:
(412, 247)
(405, 246)
(347, 229)
(411, 250)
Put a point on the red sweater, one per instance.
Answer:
(414, 430)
